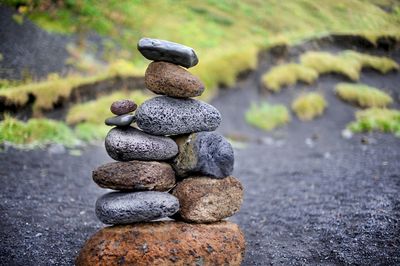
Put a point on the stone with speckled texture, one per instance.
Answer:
(127, 144)
(161, 50)
(125, 208)
(165, 243)
(204, 153)
(122, 107)
(165, 115)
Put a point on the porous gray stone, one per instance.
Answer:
(164, 115)
(204, 153)
(128, 143)
(161, 50)
(125, 208)
(120, 120)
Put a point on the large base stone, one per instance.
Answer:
(165, 243)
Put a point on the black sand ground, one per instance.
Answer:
(311, 197)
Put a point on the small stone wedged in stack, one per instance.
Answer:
(172, 164)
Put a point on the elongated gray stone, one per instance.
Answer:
(204, 153)
(128, 143)
(120, 120)
(164, 115)
(161, 50)
(125, 208)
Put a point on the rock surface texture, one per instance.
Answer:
(206, 200)
(164, 115)
(160, 50)
(135, 176)
(122, 107)
(126, 144)
(172, 80)
(204, 153)
(165, 243)
(126, 208)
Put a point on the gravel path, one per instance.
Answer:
(311, 197)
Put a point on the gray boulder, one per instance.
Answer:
(164, 115)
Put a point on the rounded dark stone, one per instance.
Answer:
(128, 143)
(164, 115)
(122, 107)
(160, 50)
(125, 208)
(204, 153)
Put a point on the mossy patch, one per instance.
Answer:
(286, 75)
(98, 110)
(36, 131)
(380, 63)
(309, 106)
(363, 95)
(267, 116)
(377, 119)
(324, 62)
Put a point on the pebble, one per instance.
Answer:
(164, 115)
(165, 243)
(127, 144)
(120, 120)
(207, 200)
(204, 153)
(125, 208)
(172, 80)
(160, 50)
(135, 176)
(122, 107)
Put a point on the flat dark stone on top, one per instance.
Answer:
(160, 50)
(122, 107)
(120, 120)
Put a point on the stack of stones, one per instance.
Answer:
(171, 164)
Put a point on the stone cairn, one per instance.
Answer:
(171, 165)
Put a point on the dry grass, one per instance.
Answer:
(309, 106)
(324, 62)
(267, 116)
(363, 95)
(98, 110)
(286, 75)
(377, 119)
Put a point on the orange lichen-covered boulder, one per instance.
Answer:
(165, 243)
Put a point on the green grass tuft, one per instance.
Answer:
(89, 131)
(309, 106)
(267, 116)
(363, 95)
(324, 62)
(98, 110)
(36, 131)
(287, 74)
(377, 119)
(379, 63)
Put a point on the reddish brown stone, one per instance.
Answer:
(165, 243)
(135, 175)
(122, 107)
(206, 200)
(172, 80)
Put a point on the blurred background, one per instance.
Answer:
(309, 95)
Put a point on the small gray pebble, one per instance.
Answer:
(164, 115)
(120, 120)
(125, 208)
(128, 143)
(160, 50)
